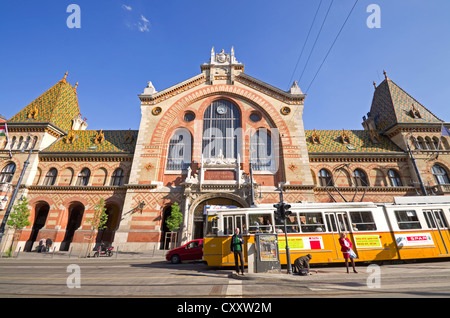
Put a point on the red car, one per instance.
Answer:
(192, 250)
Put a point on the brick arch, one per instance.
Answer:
(225, 91)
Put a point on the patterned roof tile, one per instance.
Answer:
(114, 141)
(58, 106)
(360, 141)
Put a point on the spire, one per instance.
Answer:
(65, 76)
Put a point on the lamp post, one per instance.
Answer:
(16, 190)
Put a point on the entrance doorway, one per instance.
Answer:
(107, 235)
(199, 216)
(76, 211)
(41, 212)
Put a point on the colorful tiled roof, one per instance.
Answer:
(58, 106)
(114, 141)
(360, 141)
(392, 105)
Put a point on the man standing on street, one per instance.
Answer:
(236, 246)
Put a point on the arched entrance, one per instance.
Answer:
(76, 211)
(41, 212)
(198, 215)
(107, 235)
(164, 229)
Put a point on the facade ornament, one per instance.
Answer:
(150, 89)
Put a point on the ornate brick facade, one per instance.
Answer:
(198, 144)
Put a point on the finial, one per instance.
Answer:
(374, 85)
(385, 75)
(65, 76)
(76, 85)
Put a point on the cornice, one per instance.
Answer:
(83, 156)
(358, 157)
(75, 188)
(286, 97)
(173, 90)
(36, 127)
(366, 189)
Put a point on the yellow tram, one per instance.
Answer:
(410, 228)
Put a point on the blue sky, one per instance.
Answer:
(122, 45)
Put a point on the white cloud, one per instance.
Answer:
(142, 23)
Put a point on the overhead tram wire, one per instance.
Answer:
(315, 42)
(317, 37)
(332, 45)
(304, 44)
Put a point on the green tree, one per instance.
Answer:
(175, 219)
(98, 221)
(18, 219)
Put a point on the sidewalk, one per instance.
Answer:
(58, 255)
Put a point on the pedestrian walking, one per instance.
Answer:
(237, 247)
(346, 249)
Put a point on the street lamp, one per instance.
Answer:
(16, 190)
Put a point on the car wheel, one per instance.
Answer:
(175, 259)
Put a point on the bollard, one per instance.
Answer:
(70, 252)
(117, 252)
(17, 254)
(53, 253)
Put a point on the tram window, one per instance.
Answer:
(407, 220)
(363, 221)
(260, 223)
(228, 225)
(291, 224)
(438, 216)
(312, 222)
(212, 228)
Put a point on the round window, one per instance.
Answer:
(255, 117)
(189, 116)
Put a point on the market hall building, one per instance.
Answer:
(221, 137)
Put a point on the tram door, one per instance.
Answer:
(337, 222)
(230, 223)
(436, 221)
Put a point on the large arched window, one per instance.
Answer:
(262, 154)
(50, 177)
(7, 173)
(325, 179)
(440, 174)
(180, 150)
(83, 177)
(360, 178)
(221, 130)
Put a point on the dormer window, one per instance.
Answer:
(414, 112)
(345, 139)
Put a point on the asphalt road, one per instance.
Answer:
(156, 278)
